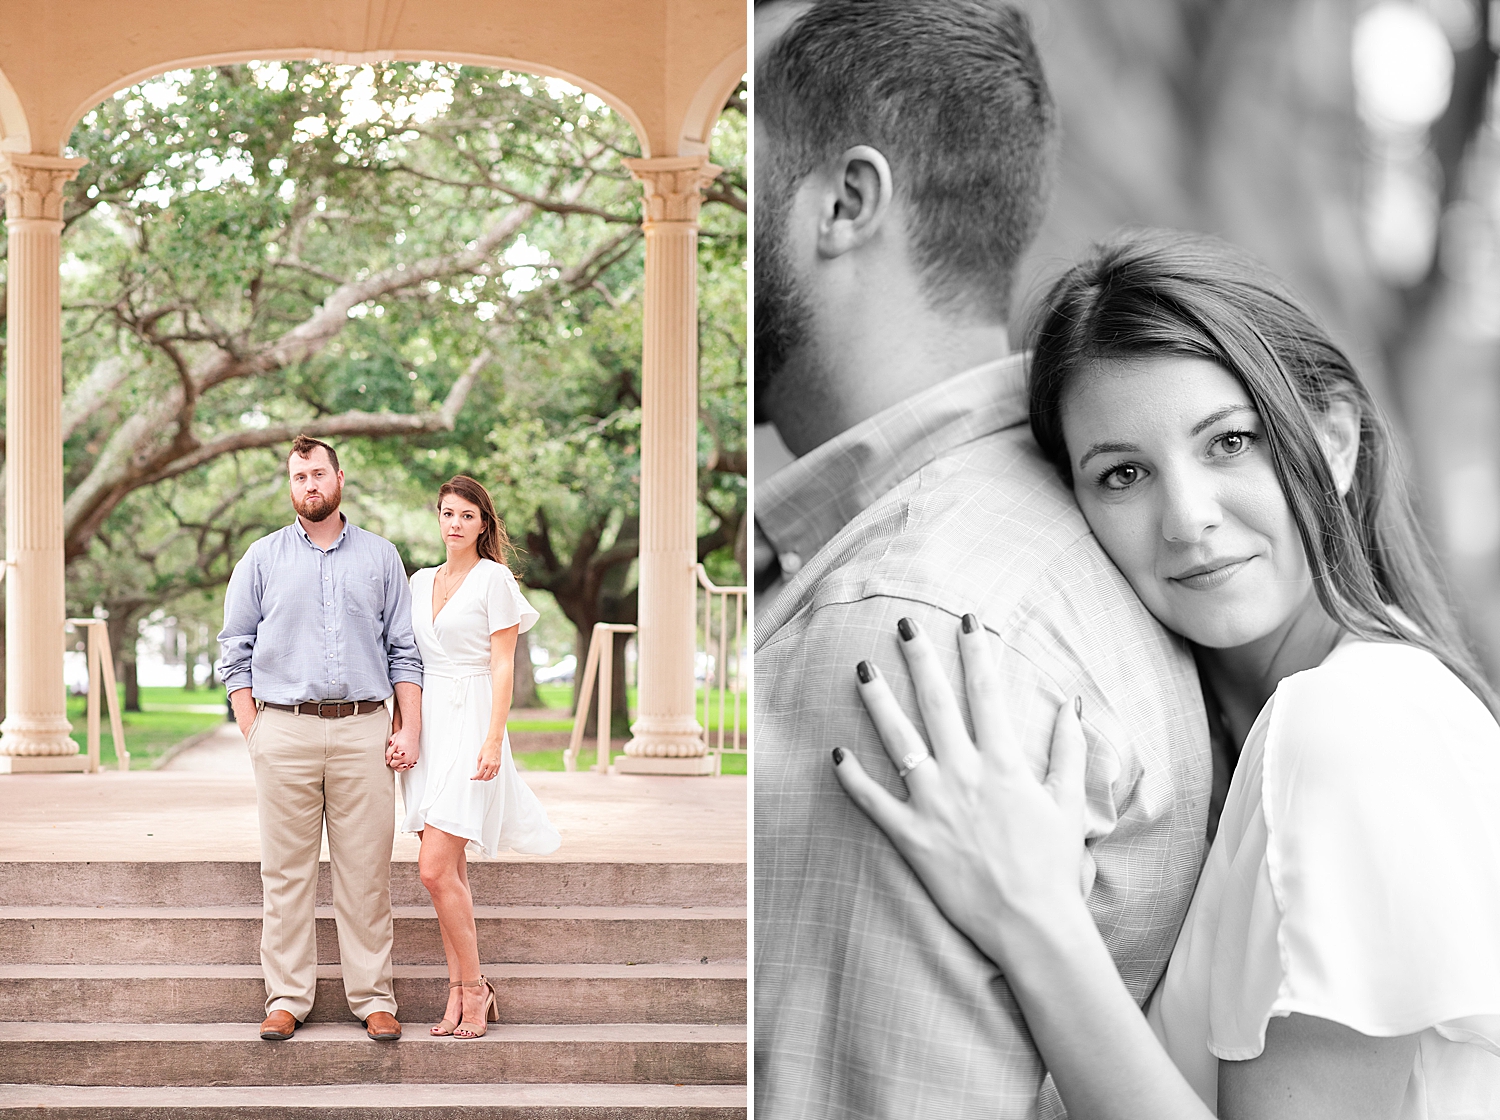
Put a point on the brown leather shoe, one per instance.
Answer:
(382, 1026)
(278, 1026)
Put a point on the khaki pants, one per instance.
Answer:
(308, 769)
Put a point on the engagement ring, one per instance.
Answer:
(911, 762)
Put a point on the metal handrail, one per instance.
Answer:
(726, 652)
(102, 679)
(601, 660)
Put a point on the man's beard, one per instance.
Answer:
(781, 310)
(319, 508)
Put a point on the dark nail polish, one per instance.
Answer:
(1078, 706)
(866, 671)
(970, 623)
(907, 629)
(838, 755)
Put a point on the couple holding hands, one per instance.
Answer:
(321, 627)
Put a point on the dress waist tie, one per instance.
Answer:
(458, 694)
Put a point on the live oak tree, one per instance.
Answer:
(410, 260)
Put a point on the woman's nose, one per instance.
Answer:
(1192, 506)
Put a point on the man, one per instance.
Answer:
(317, 635)
(903, 155)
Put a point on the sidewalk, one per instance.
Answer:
(221, 751)
(201, 806)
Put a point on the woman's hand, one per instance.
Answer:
(489, 761)
(992, 845)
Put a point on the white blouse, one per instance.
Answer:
(1355, 877)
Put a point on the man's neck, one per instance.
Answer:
(323, 533)
(857, 372)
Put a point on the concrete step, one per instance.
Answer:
(375, 1102)
(494, 883)
(529, 993)
(145, 1054)
(507, 934)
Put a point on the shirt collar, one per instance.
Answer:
(344, 532)
(804, 505)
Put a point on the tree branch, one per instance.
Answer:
(90, 394)
(351, 423)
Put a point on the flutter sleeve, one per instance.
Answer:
(1376, 903)
(507, 606)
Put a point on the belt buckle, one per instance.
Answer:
(333, 704)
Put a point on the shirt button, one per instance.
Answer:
(791, 563)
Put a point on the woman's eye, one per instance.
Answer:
(1235, 443)
(1121, 477)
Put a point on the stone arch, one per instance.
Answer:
(352, 58)
(15, 131)
(707, 103)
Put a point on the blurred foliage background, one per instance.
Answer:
(436, 268)
(1353, 146)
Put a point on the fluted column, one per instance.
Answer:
(666, 738)
(34, 735)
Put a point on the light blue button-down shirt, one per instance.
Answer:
(305, 623)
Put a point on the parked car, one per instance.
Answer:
(561, 673)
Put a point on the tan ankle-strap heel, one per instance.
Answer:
(490, 1013)
(447, 1026)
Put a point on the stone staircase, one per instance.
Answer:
(132, 990)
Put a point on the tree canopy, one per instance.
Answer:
(437, 268)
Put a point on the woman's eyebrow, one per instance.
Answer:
(1198, 429)
(1105, 449)
(1219, 414)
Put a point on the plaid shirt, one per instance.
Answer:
(868, 1004)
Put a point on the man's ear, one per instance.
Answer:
(857, 200)
(1338, 432)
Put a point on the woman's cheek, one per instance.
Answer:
(1122, 530)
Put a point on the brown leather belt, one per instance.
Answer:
(329, 709)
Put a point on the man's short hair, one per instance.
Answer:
(305, 445)
(952, 93)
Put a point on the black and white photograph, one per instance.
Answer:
(1126, 503)
(375, 507)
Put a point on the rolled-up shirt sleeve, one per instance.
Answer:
(402, 656)
(242, 616)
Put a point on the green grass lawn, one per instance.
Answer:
(167, 717)
(559, 696)
(170, 715)
(553, 760)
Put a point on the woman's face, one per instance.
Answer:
(461, 522)
(1172, 471)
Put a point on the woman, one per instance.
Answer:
(464, 786)
(1341, 957)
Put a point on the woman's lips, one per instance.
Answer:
(1214, 574)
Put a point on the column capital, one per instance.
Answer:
(673, 185)
(34, 184)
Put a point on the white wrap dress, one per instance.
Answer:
(1355, 877)
(456, 697)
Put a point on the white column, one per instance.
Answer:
(34, 735)
(666, 738)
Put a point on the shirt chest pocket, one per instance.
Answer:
(364, 596)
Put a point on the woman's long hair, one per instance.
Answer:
(494, 543)
(1157, 293)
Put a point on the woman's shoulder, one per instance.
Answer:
(1371, 701)
(496, 571)
(421, 574)
(1378, 677)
